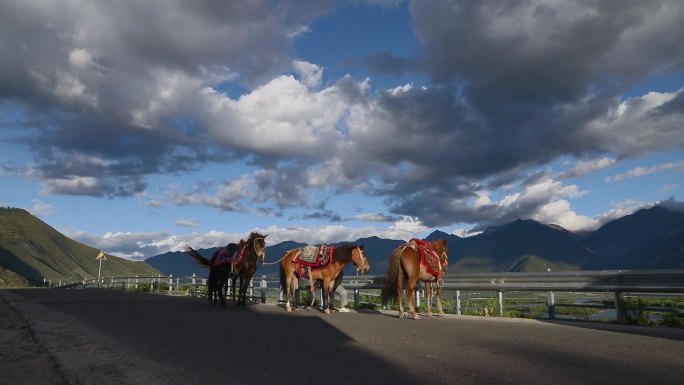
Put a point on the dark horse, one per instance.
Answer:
(408, 262)
(220, 268)
(330, 274)
(243, 265)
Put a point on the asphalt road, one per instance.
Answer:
(107, 337)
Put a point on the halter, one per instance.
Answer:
(254, 250)
(440, 281)
(363, 261)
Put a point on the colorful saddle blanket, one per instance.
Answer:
(315, 256)
(232, 253)
(428, 256)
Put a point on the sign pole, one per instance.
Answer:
(100, 257)
(99, 272)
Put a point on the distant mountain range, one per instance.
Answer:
(31, 251)
(653, 238)
(648, 239)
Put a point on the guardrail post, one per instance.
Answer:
(357, 298)
(620, 310)
(417, 299)
(551, 302)
(170, 282)
(458, 302)
(320, 298)
(251, 289)
(500, 303)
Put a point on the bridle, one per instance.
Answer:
(254, 249)
(364, 261)
(442, 266)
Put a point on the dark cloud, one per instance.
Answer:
(87, 87)
(672, 204)
(522, 83)
(106, 94)
(326, 215)
(386, 63)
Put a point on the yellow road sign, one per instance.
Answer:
(101, 256)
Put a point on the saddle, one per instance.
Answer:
(428, 256)
(314, 256)
(231, 253)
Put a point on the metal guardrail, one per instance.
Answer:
(646, 281)
(617, 282)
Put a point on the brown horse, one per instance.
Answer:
(254, 247)
(330, 275)
(406, 262)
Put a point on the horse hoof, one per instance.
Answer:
(440, 314)
(401, 315)
(416, 316)
(326, 311)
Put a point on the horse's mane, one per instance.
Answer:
(254, 235)
(343, 253)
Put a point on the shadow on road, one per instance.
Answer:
(203, 343)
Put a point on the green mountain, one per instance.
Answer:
(31, 249)
(522, 245)
(647, 239)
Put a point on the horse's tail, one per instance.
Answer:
(282, 278)
(389, 290)
(197, 256)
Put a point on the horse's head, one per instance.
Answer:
(258, 244)
(360, 261)
(440, 247)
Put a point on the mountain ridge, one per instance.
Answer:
(647, 239)
(36, 252)
(527, 245)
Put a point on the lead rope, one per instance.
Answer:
(273, 263)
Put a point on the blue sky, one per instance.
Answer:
(138, 128)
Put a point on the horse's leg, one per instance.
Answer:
(241, 300)
(400, 292)
(440, 311)
(325, 287)
(428, 298)
(219, 290)
(244, 284)
(232, 288)
(410, 289)
(287, 289)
